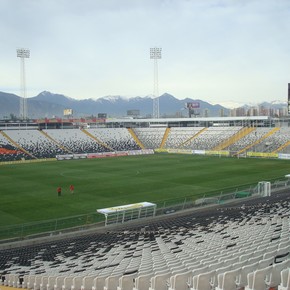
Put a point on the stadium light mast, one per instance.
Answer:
(155, 54)
(23, 53)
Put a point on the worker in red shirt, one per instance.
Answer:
(71, 188)
(59, 191)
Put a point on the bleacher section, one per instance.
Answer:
(8, 150)
(283, 139)
(151, 138)
(259, 139)
(75, 141)
(35, 143)
(248, 140)
(178, 136)
(239, 245)
(211, 138)
(236, 140)
(273, 142)
(130, 130)
(119, 139)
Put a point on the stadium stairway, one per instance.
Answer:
(282, 147)
(17, 145)
(97, 140)
(194, 136)
(233, 139)
(167, 131)
(259, 140)
(131, 131)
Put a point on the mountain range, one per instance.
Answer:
(47, 104)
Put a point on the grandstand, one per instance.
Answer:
(252, 136)
(242, 244)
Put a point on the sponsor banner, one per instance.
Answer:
(147, 151)
(283, 156)
(135, 152)
(95, 156)
(199, 152)
(71, 156)
(261, 154)
(141, 152)
(223, 153)
(5, 151)
(107, 154)
(79, 156)
(64, 157)
(192, 105)
(180, 151)
(27, 161)
(125, 153)
(160, 150)
(104, 154)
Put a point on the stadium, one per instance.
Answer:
(173, 204)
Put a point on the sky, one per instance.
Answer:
(214, 50)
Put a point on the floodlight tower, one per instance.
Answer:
(23, 53)
(155, 54)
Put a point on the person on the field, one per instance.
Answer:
(71, 189)
(59, 191)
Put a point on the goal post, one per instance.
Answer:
(264, 188)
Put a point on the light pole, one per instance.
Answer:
(155, 54)
(23, 53)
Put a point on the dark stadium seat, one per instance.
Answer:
(173, 250)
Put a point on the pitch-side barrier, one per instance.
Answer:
(104, 154)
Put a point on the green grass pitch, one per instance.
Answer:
(28, 191)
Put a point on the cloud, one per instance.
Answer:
(87, 48)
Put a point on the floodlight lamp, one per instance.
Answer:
(22, 52)
(155, 53)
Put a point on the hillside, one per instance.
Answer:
(47, 104)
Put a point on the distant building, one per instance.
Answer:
(252, 111)
(102, 115)
(206, 113)
(222, 113)
(259, 111)
(133, 113)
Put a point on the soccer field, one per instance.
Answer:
(29, 191)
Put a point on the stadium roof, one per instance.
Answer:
(196, 119)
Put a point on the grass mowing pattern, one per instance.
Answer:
(28, 191)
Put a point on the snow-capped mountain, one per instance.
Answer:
(47, 104)
(231, 104)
